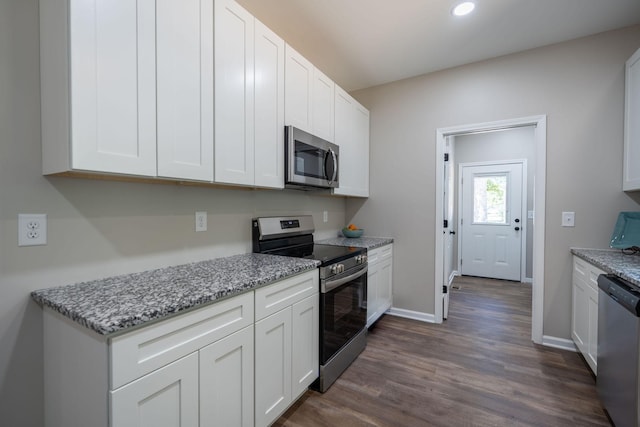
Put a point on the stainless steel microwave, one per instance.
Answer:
(310, 161)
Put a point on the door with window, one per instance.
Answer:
(491, 226)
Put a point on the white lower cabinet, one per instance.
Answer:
(379, 282)
(203, 368)
(584, 313)
(305, 349)
(167, 397)
(226, 381)
(273, 366)
(286, 344)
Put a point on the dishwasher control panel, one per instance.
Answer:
(623, 292)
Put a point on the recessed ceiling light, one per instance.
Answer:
(463, 8)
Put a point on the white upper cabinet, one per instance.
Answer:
(631, 166)
(98, 86)
(249, 101)
(184, 37)
(234, 146)
(323, 106)
(352, 136)
(269, 108)
(309, 97)
(298, 103)
(180, 89)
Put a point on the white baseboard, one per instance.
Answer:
(561, 343)
(409, 314)
(528, 280)
(453, 274)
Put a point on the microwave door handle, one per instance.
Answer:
(330, 285)
(334, 159)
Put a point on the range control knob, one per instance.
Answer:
(361, 259)
(337, 268)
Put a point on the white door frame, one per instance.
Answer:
(540, 136)
(523, 215)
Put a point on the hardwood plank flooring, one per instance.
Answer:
(478, 368)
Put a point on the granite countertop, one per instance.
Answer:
(114, 304)
(358, 242)
(613, 261)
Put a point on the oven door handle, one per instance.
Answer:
(330, 285)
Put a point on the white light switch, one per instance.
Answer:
(568, 219)
(325, 216)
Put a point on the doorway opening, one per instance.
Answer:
(534, 268)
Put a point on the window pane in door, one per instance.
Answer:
(490, 199)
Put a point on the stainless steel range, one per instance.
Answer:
(343, 288)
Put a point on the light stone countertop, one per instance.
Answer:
(613, 261)
(358, 242)
(114, 304)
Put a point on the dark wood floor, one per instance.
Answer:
(479, 368)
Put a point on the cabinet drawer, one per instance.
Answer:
(373, 255)
(586, 272)
(140, 352)
(386, 252)
(274, 298)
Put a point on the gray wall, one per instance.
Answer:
(96, 228)
(579, 85)
(518, 143)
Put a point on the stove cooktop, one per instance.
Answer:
(326, 254)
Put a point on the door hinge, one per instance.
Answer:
(460, 261)
(446, 223)
(446, 157)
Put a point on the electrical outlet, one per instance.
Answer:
(201, 221)
(32, 229)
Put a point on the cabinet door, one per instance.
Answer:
(592, 348)
(269, 108)
(361, 182)
(272, 366)
(580, 315)
(112, 54)
(631, 165)
(373, 300)
(234, 94)
(305, 343)
(385, 285)
(298, 87)
(185, 88)
(323, 106)
(345, 138)
(226, 381)
(166, 397)
(352, 135)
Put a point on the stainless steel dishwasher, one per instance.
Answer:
(618, 349)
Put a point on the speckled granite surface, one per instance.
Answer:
(613, 261)
(359, 242)
(116, 303)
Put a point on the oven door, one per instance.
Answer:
(343, 311)
(311, 161)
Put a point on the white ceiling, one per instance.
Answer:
(363, 43)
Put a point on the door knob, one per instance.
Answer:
(452, 232)
(517, 228)
(517, 220)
